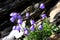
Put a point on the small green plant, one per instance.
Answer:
(46, 29)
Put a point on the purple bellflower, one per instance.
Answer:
(32, 28)
(13, 14)
(19, 21)
(16, 28)
(12, 19)
(27, 15)
(25, 31)
(42, 6)
(40, 27)
(32, 21)
(43, 16)
(19, 17)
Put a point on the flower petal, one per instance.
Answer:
(19, 21)
(18, 28)
(40, 27)
(25, 31)
(42, 6)
(43, 16)
(32, 28)
(14, 27)
(13, 14)
(32, 22)
(27, 14)
(19, 17)
(12, 19)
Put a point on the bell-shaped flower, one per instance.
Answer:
(18, 28)
(40, 27)
(13, 14)
(19, 21)
(43, 16)
(25, 31)
(42, 6)
(32, 21)
(19, 17)
(27, 15)
(14, 28)
(32, 28)
(12, 19)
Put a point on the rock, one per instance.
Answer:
(54, 12)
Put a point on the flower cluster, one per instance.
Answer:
(32, 22)
(15, 16)
(38, 32)
(42, 31)
(20, 27)
(16, 28)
